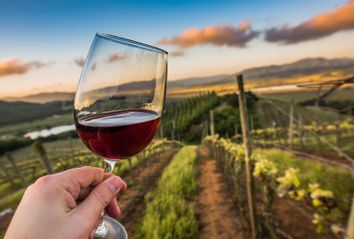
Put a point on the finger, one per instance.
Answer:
(113, 209)
(86, 176)
(79, 178)
(99, 198)
(86, 191)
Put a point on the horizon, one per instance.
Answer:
(197, 77)
(210, 40)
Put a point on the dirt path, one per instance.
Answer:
(141, 181)
(217, 215)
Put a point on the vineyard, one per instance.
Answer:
(192, 181)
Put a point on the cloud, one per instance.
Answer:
(115, 57)
(215, 35)
(324, 24)
(14, 66)
(177, 53)
(80, 61)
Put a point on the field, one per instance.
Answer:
(22, 128)
(191, 181)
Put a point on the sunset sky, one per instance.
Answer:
(43, 43)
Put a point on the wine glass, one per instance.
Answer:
(118, 104)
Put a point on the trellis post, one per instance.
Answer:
(248, 161)
(16, 169)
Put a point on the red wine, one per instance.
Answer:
(118, 135)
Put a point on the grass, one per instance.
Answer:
(48, 122)
(125, 166)
(276, 111)
(12, 200)
(6, 188)
(327, 145)
(169, 212)
(300, 96)
(336, 179)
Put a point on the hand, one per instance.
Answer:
(66, 205)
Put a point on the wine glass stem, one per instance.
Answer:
(109, 165)
(101, 230)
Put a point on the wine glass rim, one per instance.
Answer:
(129, 42)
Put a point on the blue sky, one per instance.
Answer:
(57, 32)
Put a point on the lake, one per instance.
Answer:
(48, 132)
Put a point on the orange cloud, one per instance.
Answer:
(14, 66)
(177, 53)
(214, 35)
(319, 26)
(115, 57)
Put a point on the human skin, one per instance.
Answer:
(66, 205)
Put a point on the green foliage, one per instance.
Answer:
(264, 168)
(14, 111)
(10, 143)
(336, 179)
(169, 213)
(27, 126)
(63, 158)
(54, 149)
(276, 112)
(5, 188)
(227, 115)
(289, 181)
(180, 117)
(12, 200)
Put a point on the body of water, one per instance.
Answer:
(48, 132)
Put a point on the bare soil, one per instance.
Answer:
(217, 214)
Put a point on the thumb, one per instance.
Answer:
(99, 198)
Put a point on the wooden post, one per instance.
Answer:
(301, 131)
(16, 169)
(38, 147)
(318, 138)
(248, 152)
(7, 176)
(291, 124)
(212, 126)
(350, 228)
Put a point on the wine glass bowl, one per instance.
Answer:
(119, 100)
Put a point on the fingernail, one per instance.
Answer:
(114, 183)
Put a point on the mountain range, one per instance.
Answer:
(304, 67)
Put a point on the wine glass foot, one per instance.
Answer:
(112, 229)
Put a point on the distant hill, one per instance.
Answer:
(45, 97)
(16, 112)
(321, 67)
(302, 67)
